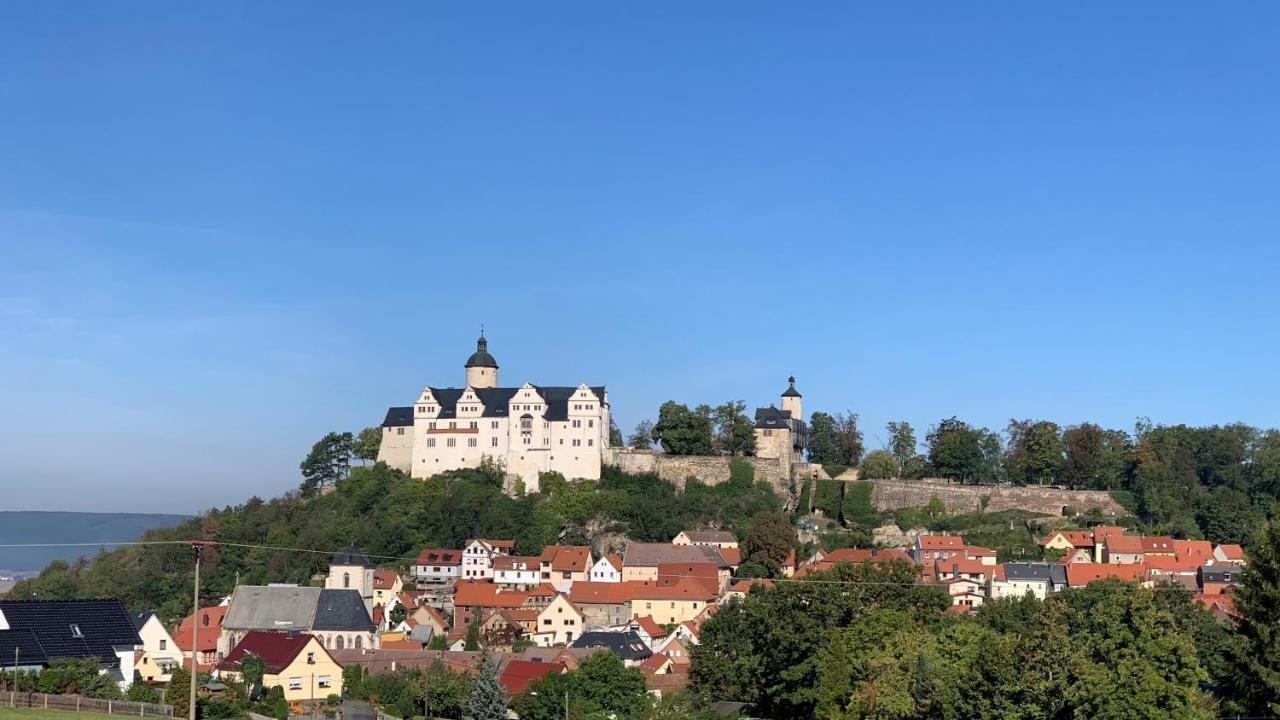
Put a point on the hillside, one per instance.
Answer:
(18, 527)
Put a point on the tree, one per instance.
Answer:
(1035, 455)
(902, 443)
(770, 540)
(178, 693)
(488, 699)
(252, 668)
(367, 443)
(1256, 653)
(958, 451)
(601, 687)
(1095, 457)
(848, 439)
(328, 462)
(735, 434)
(682, 431)
(615, 435)
(472, 640)
(642, 438)
(823, 447)
(878, 464)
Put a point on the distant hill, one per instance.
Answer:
(68, 527)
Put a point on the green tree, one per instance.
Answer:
(823, 445)
(178, 692)
(878, 464)
(328, 462)
(1095, 457)
(252, 668)
(601, 687)
(848, 439)
(642, 437)
(769, 542)
(734, 432)
(488, 700)
(142, 692)
(681, 431)
(615, 434)
(958, 451)
(1256, 652)
(471, 642)
(1035, 455)
(365, 446)
(903, 445)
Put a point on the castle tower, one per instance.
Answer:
(791, 399)
(482, 369)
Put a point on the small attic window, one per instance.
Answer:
(75, 631)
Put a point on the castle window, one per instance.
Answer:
(591, 423)
(431, 425)
(590, 442)
(451, 442)
(526, 423)
(399, 431)
(346, 580)
(494, 442)
(471, 442)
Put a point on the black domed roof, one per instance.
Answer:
(481, 357)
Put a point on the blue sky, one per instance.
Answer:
(225, 230)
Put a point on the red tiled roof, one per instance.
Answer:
(732, 556)
(567, 558)
(1193, 549)
(1127, 544)
(1166, 563)
(520, 673)
(654, 663)
(1232, 551)
(962, 565)
(941, 542)
(277, 650)
(1077, 538)
(600, 593)
(508, 562)
(481, 593)
(744, 585)
(975, 551)
(861, 555)
(1081, 574)
(615, 560)
(650, 626)
(439, 557)
(210, 625)
(684, 589)
(408, 600)
(1157, 544)
(400, 645)
(377, 614)
(384, 579)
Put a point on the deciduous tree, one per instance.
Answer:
(367, 443)
(878, 464)
(642, 438)
(770, 540)
(328, 462)
(681, 431)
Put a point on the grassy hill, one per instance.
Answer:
(68, 527)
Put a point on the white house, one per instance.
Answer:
(478, 554)
(160, 654)
(515, 572)
(436, 566)
(607, 569)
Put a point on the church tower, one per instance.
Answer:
(791, 400)
(482, 369)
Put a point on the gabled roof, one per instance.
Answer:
(398, 417)
(857, 556)
(1220, 573)
(1081, 574)
(710, 536)
(962, 566)
(68, 628)
(940, 542)
(438, 556)
(476, 593)
(210, 619)
(655, 663)
(25, 643)
(519, 674)
(341, 610)
(613, 559)
(567, 558)
(600, 593)
(1128, 544)
(1157, 544)
(732, 556)
(651, 554)
(650, 626)
(626, 645)
(272, 607)
(1028, 572)
(1231, 551)
(744, 586)
(277, 650)
(385, 579)
(771, 418)
(684, 589)
(508, 562)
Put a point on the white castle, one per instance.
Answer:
(530, 428)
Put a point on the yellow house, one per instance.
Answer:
(295, 662)
(671, 604)
(559, 623)
(387, 584)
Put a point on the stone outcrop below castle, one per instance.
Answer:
(895, 494)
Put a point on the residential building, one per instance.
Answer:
(475, 599)
(516, 572)
(338, 618)
(478, 554)
(41, 631)
(1121, 549)
(781, 432)
(1027, 578)
(1219, 578)
(530, 429)
(930, 548)
(718, 538)
(603, 604)
(563, 565)
(626, 645)
(436, 565)
(517, 675)
(207, 625)
(641, 560)
(740, 588)
(297, 663)
(559, 623)
(387, 584)
(670, 604)
(608, 569)
(1081, 574)
(1228, 553)
(159, 655)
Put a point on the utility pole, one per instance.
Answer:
(195, 626)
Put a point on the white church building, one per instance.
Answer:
(530, 428)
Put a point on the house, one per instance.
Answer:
(603, 604)
(626, 645)
(676, 648)
(716, 538)
(41, 631)
(337, 617)
(387, 584)
(297, 663)
(207, 625)
(1120, 549)
(1027, 578)
(733, 556)
(986, 556)
(563, 565)
(670, 604)
(965, 593)
(559, 623)
(1193, 552)
(1069, 541)
(607, 569)
(500, 631)
(645, 628)
(473, 600)
(963, 567)
(159, 655)
(516, 572)
(1228, 553)
(1219, 578)
(929, 548)
(1081, 574)
(641, 560)
(437, 566)
(1158, 546)
(706, 573)
(853, 556)
(426, 622)
(740, 589)
(1101, 533)
(1221, 606)
(478, 554)
(519, 674)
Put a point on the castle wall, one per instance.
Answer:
(895, 494)
(710, 469)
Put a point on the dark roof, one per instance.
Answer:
(791, 388)
(351, 555)
(398, 417)
(72, 628)
(497, 400)
(772, 418)
(1028, 572)
(481, 357)
(141, 619)
(341, 610)
(276, 649)
(25, 642)
(626, 645)
(1219, 573)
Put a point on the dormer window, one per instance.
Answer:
(75, 631)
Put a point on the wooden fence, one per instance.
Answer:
(79, 703)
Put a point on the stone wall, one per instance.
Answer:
(712, 470)
(894, 494)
